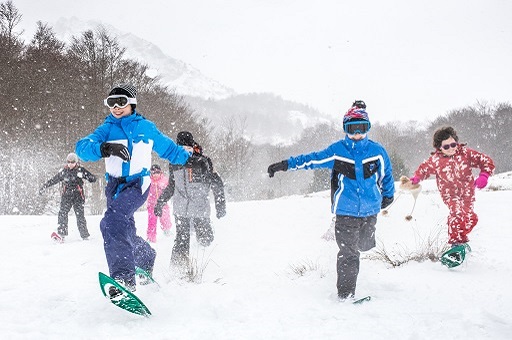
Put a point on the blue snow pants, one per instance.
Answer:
(123, 248)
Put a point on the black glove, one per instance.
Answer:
(115, 149)
(273, 168)
(158, 208)
(386, 201)
(221, 212)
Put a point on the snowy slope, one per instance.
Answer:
(249, 288)
(209, 98)
(174, 73)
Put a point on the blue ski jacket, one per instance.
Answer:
(361, 175)
(140, 136)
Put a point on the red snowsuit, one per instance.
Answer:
(158, 184)
(455, 182)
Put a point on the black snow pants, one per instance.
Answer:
(353, 235)
(204, 236)
(73, 200)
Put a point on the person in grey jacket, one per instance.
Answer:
(190, 186)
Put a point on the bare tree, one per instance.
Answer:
(502, 124)
(11, 53)
(10, 17)
(232, 154)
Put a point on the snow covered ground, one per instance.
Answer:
(250, 288)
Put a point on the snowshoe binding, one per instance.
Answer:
(122, 296)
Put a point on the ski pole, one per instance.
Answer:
(415, 192)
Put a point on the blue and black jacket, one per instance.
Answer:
(361, 175)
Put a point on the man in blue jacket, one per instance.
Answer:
(361, 185)
(125, 140)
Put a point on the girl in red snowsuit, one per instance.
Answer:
(452, 163)
(158, 183)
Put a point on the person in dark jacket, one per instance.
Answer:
(190, 186)
(361, 185)
(72, 177)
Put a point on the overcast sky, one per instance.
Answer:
(409, 60)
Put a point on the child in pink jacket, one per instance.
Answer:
(452, 164)
(158, 183)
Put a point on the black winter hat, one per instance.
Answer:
(359, 104)
(185, 138)
(126, 89)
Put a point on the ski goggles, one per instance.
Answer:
(448, 146)
(119, 100)
(356, 127)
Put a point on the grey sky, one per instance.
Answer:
(406, 59)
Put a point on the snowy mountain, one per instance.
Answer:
(268, 118)
(264, 117)
(174, 73)
(269, 275)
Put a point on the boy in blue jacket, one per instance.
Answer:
(125, 140)
(361, 185)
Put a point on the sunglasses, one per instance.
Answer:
(360, 127)
(71, 162)
(451, 145)
(119, 100)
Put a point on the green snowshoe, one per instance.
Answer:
(455, 256)
(122, 297)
